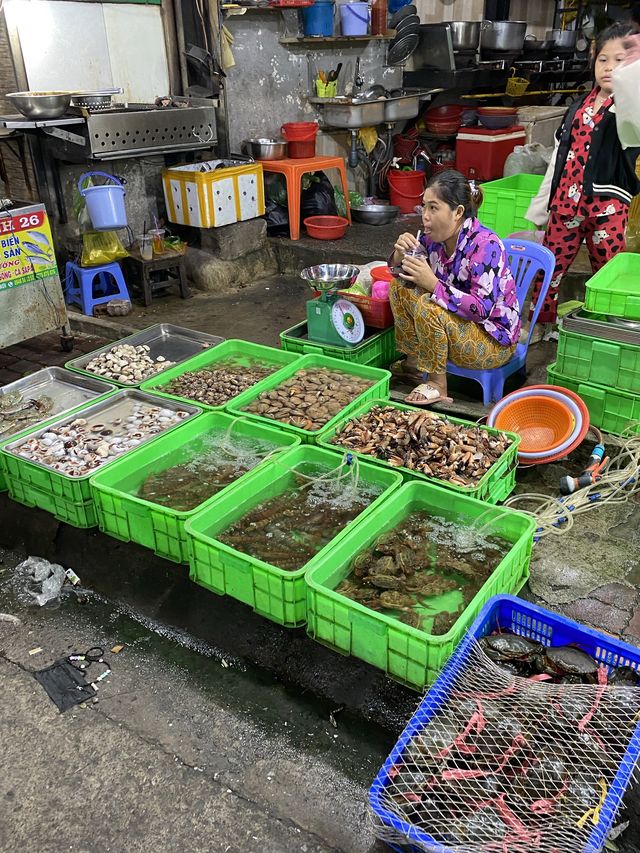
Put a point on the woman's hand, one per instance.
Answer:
(418, 271)
(405, 243)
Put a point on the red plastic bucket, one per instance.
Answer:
(301, 138)
(405, 189)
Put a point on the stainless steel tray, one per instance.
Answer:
(119, 405)
(67, 391)
(173, 342)
(582, 324)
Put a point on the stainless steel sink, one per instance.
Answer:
(348, 113)
(352, 113)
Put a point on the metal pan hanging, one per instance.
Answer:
(401, 48)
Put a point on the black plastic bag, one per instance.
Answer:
(277, 219)
(318, 199)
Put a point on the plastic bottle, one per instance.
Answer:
(379, 14)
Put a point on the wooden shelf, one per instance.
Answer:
(332, 39)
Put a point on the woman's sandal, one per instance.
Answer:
(430, 395)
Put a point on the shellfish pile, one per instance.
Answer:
(424, 442)
(127, 364)
(424, 571)
(309, 398)
(81, 445)
(215, 386)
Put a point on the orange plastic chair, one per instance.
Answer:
(293, 170)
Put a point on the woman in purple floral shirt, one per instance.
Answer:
(454, 297)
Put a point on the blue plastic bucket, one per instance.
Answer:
(105, 202)
(354, 19)
(317, 20)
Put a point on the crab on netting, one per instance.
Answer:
(509, 763)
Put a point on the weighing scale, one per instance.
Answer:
(332, 319)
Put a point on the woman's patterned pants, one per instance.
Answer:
(434, 335)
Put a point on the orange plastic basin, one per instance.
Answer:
(541, 422)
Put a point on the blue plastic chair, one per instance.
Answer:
(527, 260)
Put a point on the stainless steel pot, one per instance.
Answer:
(563, 39)
(265, 149)
(465, 35)
(503, 35)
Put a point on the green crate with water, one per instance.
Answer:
(255, 541)
(401, 587)
(148, 496)
(215, 377)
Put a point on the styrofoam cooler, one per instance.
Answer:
(202, 195)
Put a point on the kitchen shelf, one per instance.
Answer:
(306, 40)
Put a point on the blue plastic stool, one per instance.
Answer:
(83, 284)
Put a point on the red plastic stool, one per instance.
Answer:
(293, 170)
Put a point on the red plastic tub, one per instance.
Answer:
(301, 138)
(326, 227)
(405, 189)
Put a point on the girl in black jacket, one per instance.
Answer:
(594, 177)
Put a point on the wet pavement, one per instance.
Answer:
(214, 732)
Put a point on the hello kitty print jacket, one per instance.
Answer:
(590, 142)
(475, 283)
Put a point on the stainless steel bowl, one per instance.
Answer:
(375, 214)
(330, 276)
(265, 149)
(36, 105)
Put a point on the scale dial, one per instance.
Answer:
(347, 321)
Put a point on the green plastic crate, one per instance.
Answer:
(272, 592)
(380, 388)
(496, 485)
(69, 499)
(616, 365)
(506, 201)
(615, 289)
(610, 410)
(77, 513)
(125, 516)
(238, 351)
(408, 654)
(378, 350)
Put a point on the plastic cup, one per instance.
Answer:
(157, 239)
(145, 245)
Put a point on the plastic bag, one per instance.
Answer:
(529, 159)
(318, 199)
(101, 247)
(277, 218)
(275, 188)
(626, 82)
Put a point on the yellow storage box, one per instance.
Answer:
(214, 193)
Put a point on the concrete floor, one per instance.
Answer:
(213, 731)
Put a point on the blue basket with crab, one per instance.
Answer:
(513, 616)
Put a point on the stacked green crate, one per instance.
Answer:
(599, 347)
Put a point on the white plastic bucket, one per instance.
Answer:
(105, 202)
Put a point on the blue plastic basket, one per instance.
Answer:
(550, 629)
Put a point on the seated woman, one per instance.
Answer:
(454, 298)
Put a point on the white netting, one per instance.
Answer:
(510, 765)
